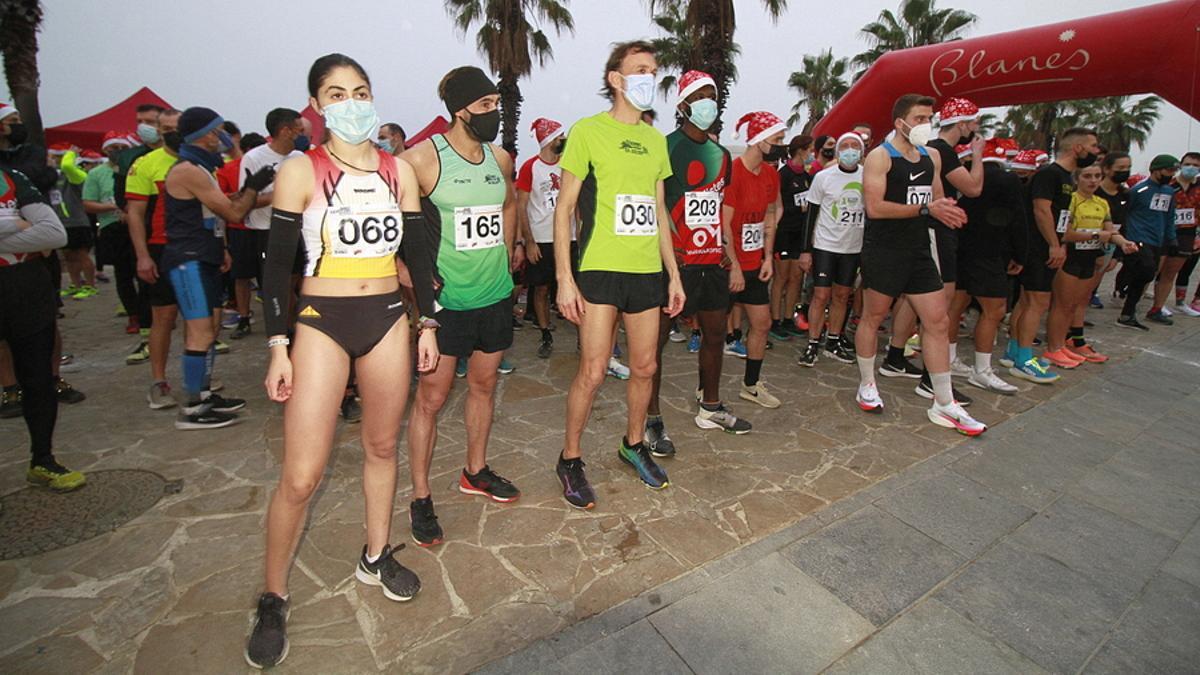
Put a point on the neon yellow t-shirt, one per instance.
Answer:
(620, 166)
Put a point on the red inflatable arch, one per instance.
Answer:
(1151, 49)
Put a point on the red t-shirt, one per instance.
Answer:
(227, 179)
(749, 194)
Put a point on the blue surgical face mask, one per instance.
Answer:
(353, 121)
(702, 113)
(148, 133)
(386, 146)
(849, 157)
(639, 91)
(225, 140)
(1189, 173)
(302, 143)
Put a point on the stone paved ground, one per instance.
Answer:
(1064, 541)
(173, 589)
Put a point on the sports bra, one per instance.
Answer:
(352, 227)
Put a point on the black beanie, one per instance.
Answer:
(196, 122)
(467, 85)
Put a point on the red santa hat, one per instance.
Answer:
(113, 138)
(59, 149)
(693, 81)
(1026, 160)
(7, 109)
(757, 126)
(995, 151)
(546, 130)
(963, 150)
(1042, 157)
(957, 110)
(91, 157)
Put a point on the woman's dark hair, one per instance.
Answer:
(821, 141)
(798, 143)
(1111, 158)
(231, 128)
(251, 140)
(324, 65)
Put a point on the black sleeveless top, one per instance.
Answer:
(193, 232)
(907, 183)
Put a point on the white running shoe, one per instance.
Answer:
(1167, 311)
(617, 369)
(954, 417)
(759, 394)
(990, 381)
(868, 398)
(958, 368)
(1185, 309)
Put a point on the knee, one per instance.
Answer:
(592, 373)
(938, 323)
(642, 367)
(298, 489)
(430, 400)
(379, 447)
(481, 385)
(820, 294)
(713, 339)
(760, 321)
(841, 294)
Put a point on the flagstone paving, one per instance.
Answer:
(173, 589)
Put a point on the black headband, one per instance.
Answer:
(465, 86)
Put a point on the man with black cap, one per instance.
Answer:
(1150, 225)
(195, 256)
(467, 196)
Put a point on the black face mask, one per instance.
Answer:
(776, 153)
(560, 146)
(1085, 161)
(17, 133)
(962, 140)
(484, 126)
(1120, 176)
(828, 153)
(1164, 179)
(173, 140)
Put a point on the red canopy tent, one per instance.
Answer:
(87, 133)
(439, 125)
(317, 122)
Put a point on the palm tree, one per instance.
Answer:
(820, 85)
(710, 27)
(1118, 123)
(673, 50)
(20, 21)
(1037, 124)
(510, 41)
(919, 23)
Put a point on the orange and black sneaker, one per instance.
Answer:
(488, 483)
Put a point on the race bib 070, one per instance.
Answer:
(920, 194)
(635, 216)
(478, 227)
(362, 232)
(701, 208)
(752, 237)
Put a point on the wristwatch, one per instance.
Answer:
(923, 211)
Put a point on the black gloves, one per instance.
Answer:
(259, 180)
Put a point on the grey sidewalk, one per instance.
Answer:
(1064, 541)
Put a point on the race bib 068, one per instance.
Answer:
(478, 227)
(635, 216)
(362, 232)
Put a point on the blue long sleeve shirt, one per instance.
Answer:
(1151, 217)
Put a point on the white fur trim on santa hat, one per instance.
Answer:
(694, 86)
(7, 110)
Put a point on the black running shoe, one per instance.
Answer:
(545, 348)
(203, 417)
(488, 483)
(1131, 322)
(838, 351)
(425, 529)
(901, 368)
(925, 390)
(351, 409)
(1159, 317)
(10, 403)
(397, 581)
(808, 359)
(66, 393)
(225, 405)
(638, 457)
(576, 489)
(658, 441)
(268, 643)
(241, 331)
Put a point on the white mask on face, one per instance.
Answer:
(639, 91)
(920, 134)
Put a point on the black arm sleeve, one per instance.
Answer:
(282, 240)
(418, 252)
(810, 226)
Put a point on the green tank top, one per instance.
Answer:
(466, 207)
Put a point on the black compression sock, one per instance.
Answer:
(895, 354)
(753, 369)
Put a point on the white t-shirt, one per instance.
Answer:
(542, 181)
(257, 158)
(840, 221)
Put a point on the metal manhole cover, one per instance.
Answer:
(36, 520)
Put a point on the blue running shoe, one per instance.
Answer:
(1095, 302)
(506, 366)
(694, 342)
(1010, 354)
(736, 348)
(639, 458)
(460, 370)
(1032, 370)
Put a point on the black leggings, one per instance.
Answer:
(1185, 274)
(134, 294)
(1139, 270)
(27, 324)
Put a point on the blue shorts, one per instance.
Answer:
(197, 289)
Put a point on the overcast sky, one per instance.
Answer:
(244, 57)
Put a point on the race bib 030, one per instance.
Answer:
(635, 216)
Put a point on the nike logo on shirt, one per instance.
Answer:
(914, 176)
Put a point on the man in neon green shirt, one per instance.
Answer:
(613, 173)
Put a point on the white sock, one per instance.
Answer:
(943, 394)
(866, 370)
(953, 352)
(373, 559)
(983, 361)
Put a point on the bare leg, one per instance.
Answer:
(432, 391)
(481, 405)
(160, 338)
(595, 348)
(816, 311)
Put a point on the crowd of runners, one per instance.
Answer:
(378, 262)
